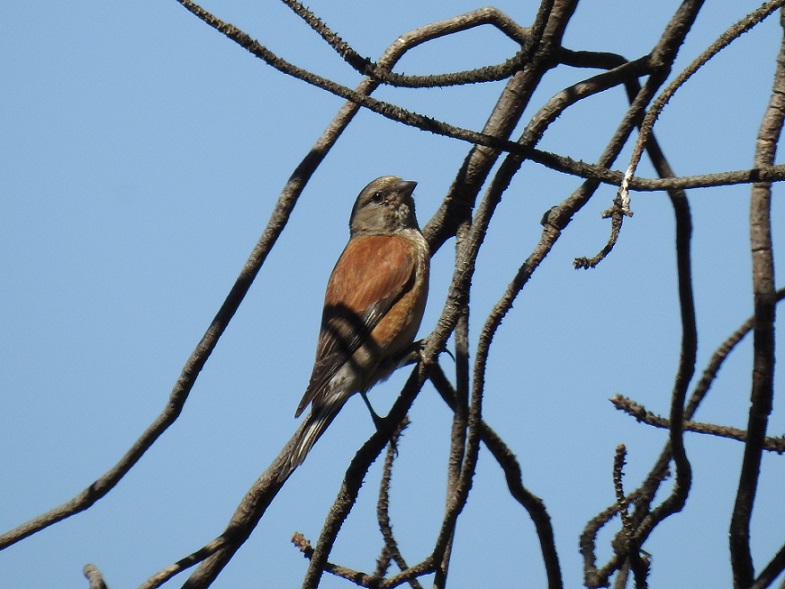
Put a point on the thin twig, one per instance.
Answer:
(357, 577)
(391, 550)
(619, 460)
(639, 412)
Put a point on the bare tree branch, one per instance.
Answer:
(391, 550)
(512, 472)
(639, 412)
(554, 161)
(366, 67)
(357, 577)
(763, 332)
(771, 571)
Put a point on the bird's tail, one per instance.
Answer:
(310, 431)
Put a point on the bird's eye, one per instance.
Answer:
(377, 197)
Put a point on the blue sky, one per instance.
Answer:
(141, 156)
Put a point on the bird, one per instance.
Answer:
(373, 307)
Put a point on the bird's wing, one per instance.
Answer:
(372, 273)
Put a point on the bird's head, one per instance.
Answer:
(384, 206)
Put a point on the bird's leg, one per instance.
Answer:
(378, 421)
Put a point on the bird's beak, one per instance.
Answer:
(406, 187)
